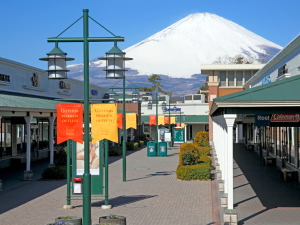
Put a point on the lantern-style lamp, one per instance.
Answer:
(57, 68)
(115, 63)
(135, 96)
(149, 105)
(164, 106)
(112, 96)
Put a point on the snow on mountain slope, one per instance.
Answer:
(200, 38)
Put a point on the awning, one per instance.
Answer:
(279, 97)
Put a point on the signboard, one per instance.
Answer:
(178, 135)
(262, 120)
(94, 158)
(78, 167)
(168, 137)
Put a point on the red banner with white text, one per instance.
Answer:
(69, 122)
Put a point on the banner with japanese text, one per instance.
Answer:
(120, 120)
(161, 120)
(131, 120)
(152, 120)
(104, 122)
(69, 122)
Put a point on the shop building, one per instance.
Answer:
(28, 111)
(190, 114)
(263, 118)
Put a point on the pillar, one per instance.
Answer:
(51, 138)
(230, 119)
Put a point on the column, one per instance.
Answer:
(230, 118)
(28, 173)
(51, 138)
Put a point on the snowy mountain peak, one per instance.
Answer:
(200, 38)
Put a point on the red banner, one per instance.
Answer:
(120, 120)
(152, 120)
(69, 122)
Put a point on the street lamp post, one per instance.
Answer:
(115, 59)
(61, 71)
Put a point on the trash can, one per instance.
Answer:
(163, 148)
(151, 148)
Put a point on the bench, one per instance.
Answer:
(270, 161)
(289, 175)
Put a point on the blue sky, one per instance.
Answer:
(26, 25)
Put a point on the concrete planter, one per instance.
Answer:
(119, 220)
(74, 220)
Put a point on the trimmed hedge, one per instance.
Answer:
(202, 139)
(193, 172)
(56, 172)
(194, 162)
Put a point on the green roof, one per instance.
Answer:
(282, 90)
(27, 102)
(282, 96)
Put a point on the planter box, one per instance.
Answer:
(120, 220)
(69, 219)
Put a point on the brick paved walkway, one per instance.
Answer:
(261, 196)
(152, 196)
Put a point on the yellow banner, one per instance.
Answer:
(104, 122)
(131, 120)
(173, 119)
(161, 120)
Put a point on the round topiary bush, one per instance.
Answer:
(188, 159)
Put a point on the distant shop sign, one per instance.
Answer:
(285, 118)
(262, 120)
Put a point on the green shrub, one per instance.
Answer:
(142, 143)
(193, 172)
(204, 150)
(57, 172)
(202, 139)
(205, 161)
(115, 151)
(61, 157)
(136, 146)
(192, 148)
(188, 159)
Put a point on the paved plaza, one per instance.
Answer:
(152, 195)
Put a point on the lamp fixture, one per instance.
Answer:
(57, 68)
(115, 63)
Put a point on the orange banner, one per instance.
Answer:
(152, 120)
(161, 120)
(120, 120)
(131, 120)
(173, 119)
(104, 122)
(167, 120)
(69, 122)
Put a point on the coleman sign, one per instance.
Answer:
(285, 118)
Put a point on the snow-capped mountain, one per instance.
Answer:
(200, 38)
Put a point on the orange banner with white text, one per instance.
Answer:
(69, 122)
(120, 120)
(131, 120)
(104, 122)
(161, 120)
(152, 120)
(167, 120)
(173, 119)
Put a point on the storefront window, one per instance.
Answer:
(230, 78)
(247, 75)
(223, 78)
(239, 78)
